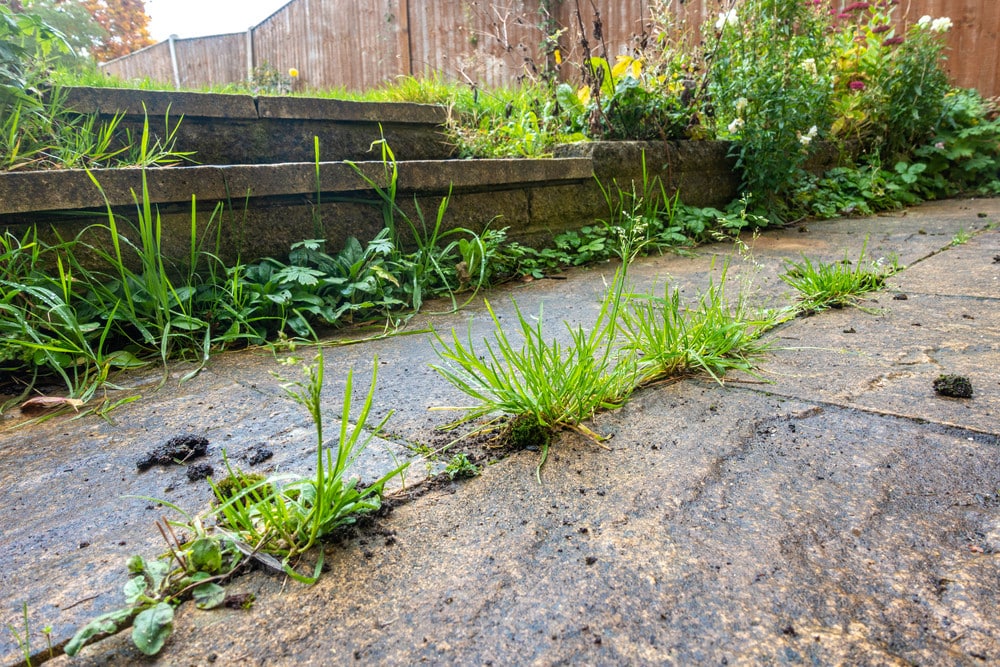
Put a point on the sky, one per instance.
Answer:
(197, 18)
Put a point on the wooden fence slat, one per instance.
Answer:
(359, 45)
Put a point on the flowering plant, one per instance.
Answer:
(889, 83)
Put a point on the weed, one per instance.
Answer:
(673, 340)
(961, 237)
(557, 386)
(821, 285)
(460, 466)
(262, 519)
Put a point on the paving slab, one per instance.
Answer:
(723, 527)
(886, 355)
(693, 473)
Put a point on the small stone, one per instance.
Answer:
(954, 386)
(900, 297)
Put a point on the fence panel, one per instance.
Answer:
(204, 61)
(332, 43)
(357, 44)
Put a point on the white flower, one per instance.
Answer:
(809, 65)
(806, 139)
(924, 21)
(942, 24)
(727, 18)
(736, 125)
(741, 105)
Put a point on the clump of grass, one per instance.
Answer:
(673, 340)
(287, 516)
(554, 385)
(836, 285)
(254, 518)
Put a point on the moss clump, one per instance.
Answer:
(238, 482)
(524, 432)
(955, 386)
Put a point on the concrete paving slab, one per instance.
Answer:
(59, 476)
(724, 527)
(886, 356)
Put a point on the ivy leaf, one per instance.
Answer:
(152, 627)
(208, 596)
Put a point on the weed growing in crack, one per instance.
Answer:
(557, 386)
(822, 286)
(254, 519)
(460, 466)
(672, 339)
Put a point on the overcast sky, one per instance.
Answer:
(197, 18)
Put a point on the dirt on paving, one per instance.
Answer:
(837, 510)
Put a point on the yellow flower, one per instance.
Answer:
(583, 95)
(294, 73)
(627, 65)
(558, 57)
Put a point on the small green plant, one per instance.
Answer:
(672, 340)
(556, 386)
(460, 466)
(190, 569)
(263, 519)
(838, 284)
(961, 237)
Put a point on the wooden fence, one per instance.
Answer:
(359, 44)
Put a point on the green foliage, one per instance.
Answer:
(964, 153)
(627, 101)
(255, 518)
(770, 82)
(672, 340)
(460, 466)
(191, 568)
(822, 286)
(553, 385)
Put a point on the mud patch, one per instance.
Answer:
(256, 455)
(177, 450)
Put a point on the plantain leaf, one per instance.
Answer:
(152, 627)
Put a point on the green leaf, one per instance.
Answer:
(208, 596)
(152, 627)
(157, 571)
(105, 624)
(135, 589)
(206, 554)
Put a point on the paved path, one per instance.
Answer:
(841, 513)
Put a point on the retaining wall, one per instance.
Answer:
(259, 189)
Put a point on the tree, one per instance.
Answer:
(126, 23)
(78, 28)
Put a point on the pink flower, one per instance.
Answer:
(881, 28)
(856, 85)
(892, 41)
(857, 7)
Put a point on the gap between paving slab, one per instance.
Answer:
(239, 399)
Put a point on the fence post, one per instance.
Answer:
(250, 54)
(173, 61)
(405, 39)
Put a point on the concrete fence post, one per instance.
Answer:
(173, 61)
(250, 54)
